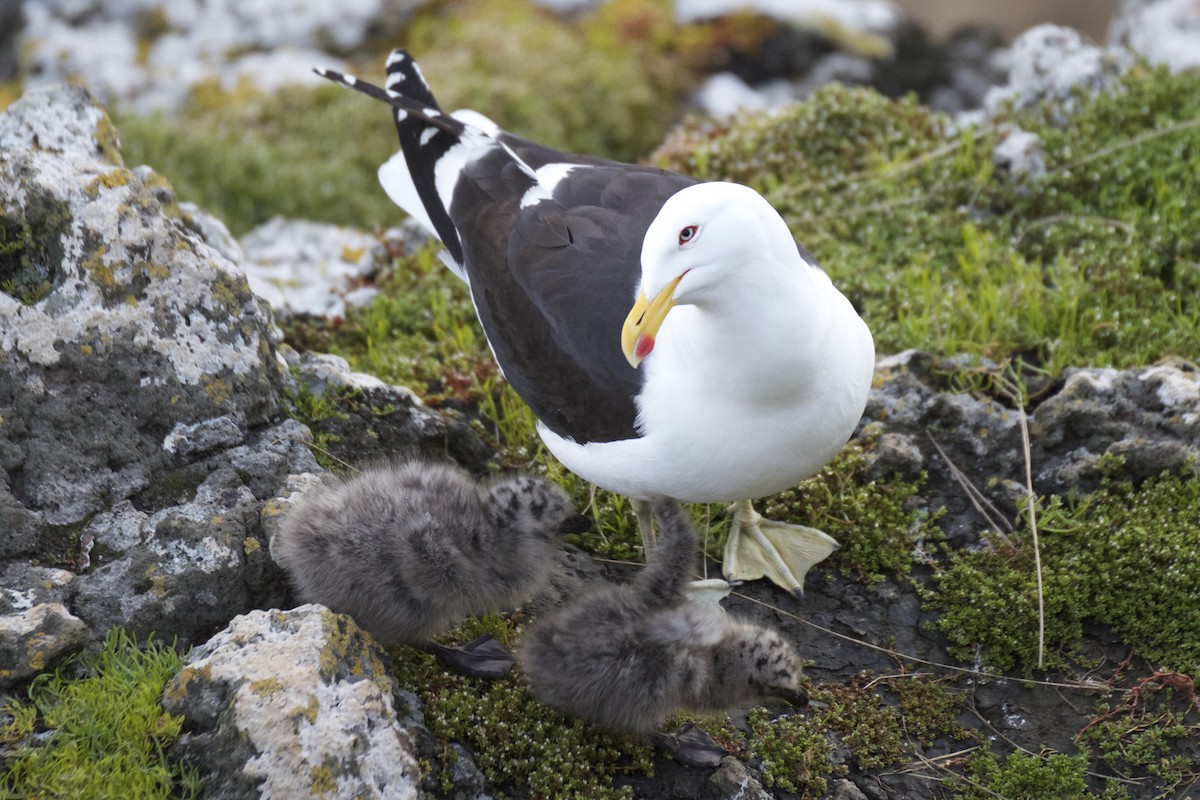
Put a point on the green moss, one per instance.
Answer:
(521, 746)
(1022, 776)
(609, 84)
(1121, 557)
(31, 245)
(107, 731)
(1094, 263)
(793, 751)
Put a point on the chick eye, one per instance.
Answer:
(687, 234)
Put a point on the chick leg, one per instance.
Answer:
(780, 551)
(710, 591)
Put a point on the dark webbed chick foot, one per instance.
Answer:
(479, 658)
(691, 746)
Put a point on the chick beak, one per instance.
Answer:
(641, 326)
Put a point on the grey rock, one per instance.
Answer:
(186, 569)
(37, 639)
(24, 585)
(292, 704)
(147, 346)
(12, 21)
(843, 789)
(376, 421)
(1021, 153)
(733, 780)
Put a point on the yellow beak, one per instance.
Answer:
(641, 326)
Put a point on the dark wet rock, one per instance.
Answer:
(374, 421)
(292, 704)
(12, 22)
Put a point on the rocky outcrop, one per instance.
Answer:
(144, 449)
(293, 704)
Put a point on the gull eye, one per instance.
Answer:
(687, 234)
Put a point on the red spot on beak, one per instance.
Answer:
(644, 345)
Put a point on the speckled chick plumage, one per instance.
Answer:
(411, 549)
(627, 657)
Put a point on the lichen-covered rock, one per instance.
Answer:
(292, 704)
(1149, 416)
(37, 639)
(121, 331)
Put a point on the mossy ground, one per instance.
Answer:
(1093, 264)
(96, 729)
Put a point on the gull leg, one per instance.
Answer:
(645, 517)
(780, 551)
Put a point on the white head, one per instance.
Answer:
(703, 236)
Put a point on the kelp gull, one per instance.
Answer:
(670, 335)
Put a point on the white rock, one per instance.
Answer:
(312, 268)
(1165, 31)
(302, 692)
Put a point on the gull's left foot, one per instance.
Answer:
(779, 551)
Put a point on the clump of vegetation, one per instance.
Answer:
(1021, 775)
(793, 751)
(1094, 262)
(106, 731)
(1119, 556)
(1149, 732)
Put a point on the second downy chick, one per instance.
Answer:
(627, 657)
(411, 549)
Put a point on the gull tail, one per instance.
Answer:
(427, 135)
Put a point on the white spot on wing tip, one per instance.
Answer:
(350, 79)
(396, 57)
(428, 134)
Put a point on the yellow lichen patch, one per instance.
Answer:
(157, 581)
(37, 660)
(309, 712)
(250, 545)
(353, 254)
(266, 686)
(85, 349)
(108, 141)
(217, 390)
(177, 690)
(95, 266)
(112, 179)
(321, 780)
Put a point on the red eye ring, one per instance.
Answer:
(687, 234)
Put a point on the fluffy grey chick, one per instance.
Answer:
(627, 657)
(411, 549)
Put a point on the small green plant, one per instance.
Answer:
(1118, 556)
(1021, 776)
(107, 731)
(1148, 731)
(793, 751)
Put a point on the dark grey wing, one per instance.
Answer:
(552, 283)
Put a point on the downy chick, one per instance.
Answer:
(411, 549)
(627, 657)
